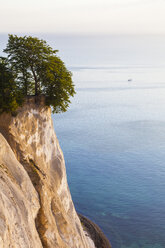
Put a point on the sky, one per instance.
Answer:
(83, 16)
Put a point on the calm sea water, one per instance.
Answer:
(113, 135)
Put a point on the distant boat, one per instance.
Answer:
(130, 80)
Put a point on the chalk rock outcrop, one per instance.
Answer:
(19, 203)
(36, 209)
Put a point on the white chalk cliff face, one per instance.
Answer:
(19, 203)
(36, 209)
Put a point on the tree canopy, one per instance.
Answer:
(34, 68)
(10, 96)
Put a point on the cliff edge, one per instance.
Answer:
(36, 206)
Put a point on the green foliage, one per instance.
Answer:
(57, 84)
(10, 96)
(38, 71)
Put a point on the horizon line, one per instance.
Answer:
(81, 34)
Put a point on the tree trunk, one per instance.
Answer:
(36, 89)
(36, 83)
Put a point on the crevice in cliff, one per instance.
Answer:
(35, 175)
(35, 166)
(38, 223)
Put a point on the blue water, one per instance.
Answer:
(113, 138)
(113, 135)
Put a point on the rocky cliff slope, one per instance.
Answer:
(19, 203)
(36, 209)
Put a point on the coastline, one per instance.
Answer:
(95, 233)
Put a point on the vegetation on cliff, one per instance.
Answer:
(10, 95)
(32, 67)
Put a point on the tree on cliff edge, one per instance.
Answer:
(10, 96)
(39, 71)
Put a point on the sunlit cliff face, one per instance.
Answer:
(32, 138)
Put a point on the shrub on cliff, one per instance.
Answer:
(10, 96)
(39, 71)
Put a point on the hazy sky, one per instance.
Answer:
(83, 16)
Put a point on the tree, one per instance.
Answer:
(39, 71)
(56, 84)
(10, 96)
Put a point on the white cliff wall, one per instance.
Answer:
(32, 138)
(19, 203)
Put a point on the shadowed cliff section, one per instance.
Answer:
(98, 237)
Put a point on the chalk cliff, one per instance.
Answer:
(19, 203)
(36, 209)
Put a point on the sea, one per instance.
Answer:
(113, 134)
